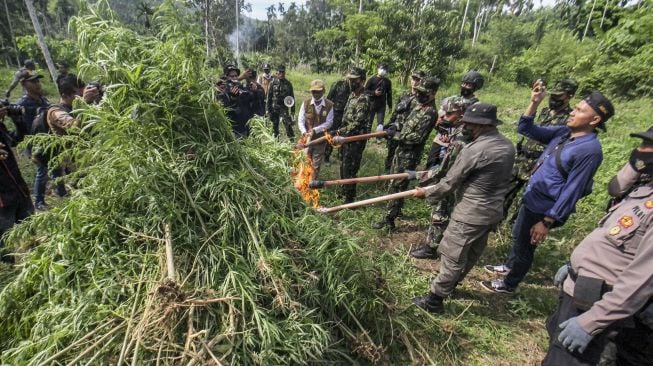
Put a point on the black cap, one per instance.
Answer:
(355, 73)
(61, 64)
(29, 64)
(647, 136)
(281, 68)
(428, 84)
(563, 86)
(31, 77)
(481, 114)
(383, 66)
(601, 105)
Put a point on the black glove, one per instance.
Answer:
(390, 131)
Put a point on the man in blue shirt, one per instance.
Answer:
(561, 177)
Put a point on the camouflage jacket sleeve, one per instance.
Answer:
(417, 126)
(268, 98)
(357, 116)
(403, 103)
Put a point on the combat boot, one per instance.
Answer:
(424, 252)
(432, 303)
(385, 223)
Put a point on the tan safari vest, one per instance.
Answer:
(311, 118)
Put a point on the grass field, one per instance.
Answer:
(478, 329)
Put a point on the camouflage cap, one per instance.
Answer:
(453, 104)
(355, 73)
(475, 78)
(428, 84)
(267, 66)
(601, 105)
(565, 86)
(281, 68)
(316, 85)
(229, 68)
(418, 74)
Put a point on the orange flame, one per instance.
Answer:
(302, 175)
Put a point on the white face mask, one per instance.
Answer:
(381, 72)
(317, 101)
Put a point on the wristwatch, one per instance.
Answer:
(547, 224)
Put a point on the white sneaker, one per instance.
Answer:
(500, 269)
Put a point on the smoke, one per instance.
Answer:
(242, 39)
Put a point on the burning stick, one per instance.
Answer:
(339, 140)
(367, 202)
(318, 184)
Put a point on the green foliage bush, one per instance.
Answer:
(65, 50)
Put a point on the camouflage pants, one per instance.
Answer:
(440, 214)
(392, 147)
(351, 156)
(337, 122)
(400, 164)
(434, 157)
(287, 122)
(516, 184)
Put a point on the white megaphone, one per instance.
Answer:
(289, 101)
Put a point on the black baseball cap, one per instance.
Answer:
(601, 105)
(647, 136)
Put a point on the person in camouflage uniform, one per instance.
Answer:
(528, 150)
(355, 121)
(471, 82)
(338, 94)
(279, 89)
(453, 141)
(411, 137)
(402, 109)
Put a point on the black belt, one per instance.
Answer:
(574, 276)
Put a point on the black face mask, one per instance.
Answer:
(466, 92)
(642, 161)
(555, 104)
(354, 85)
(467, 133)
(422, 98)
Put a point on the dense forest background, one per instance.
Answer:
(602, 43)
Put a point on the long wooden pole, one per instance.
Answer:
(317, 184)
(11, 33)
(339, 140)
(39, 35)
(367, 202)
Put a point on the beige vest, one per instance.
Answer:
(313, 119)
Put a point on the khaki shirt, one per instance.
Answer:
(480, 179)
(620, 252)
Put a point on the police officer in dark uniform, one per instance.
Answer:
(237, 99)
(279, 89)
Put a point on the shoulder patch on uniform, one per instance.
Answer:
(640, 164)
(626, 221)
(615, 230)
(648, 204)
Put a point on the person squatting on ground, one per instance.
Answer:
(27, 70)
(410, 135)
(15, 202)
(471, 82)
(315, 117)
(607, 288)
(379, 88)
(402, 109)
(453, 140)
(529, 150)
(479, 177)
(355, 121)
(338, 94)
(279, 89)
(561, 177)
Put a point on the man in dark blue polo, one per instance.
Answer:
(561, 177)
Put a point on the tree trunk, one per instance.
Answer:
(462, 26)
(11, 33)
(589, 19)
(41, 39)
(206, 29)
(605, 9)
(238, 33)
